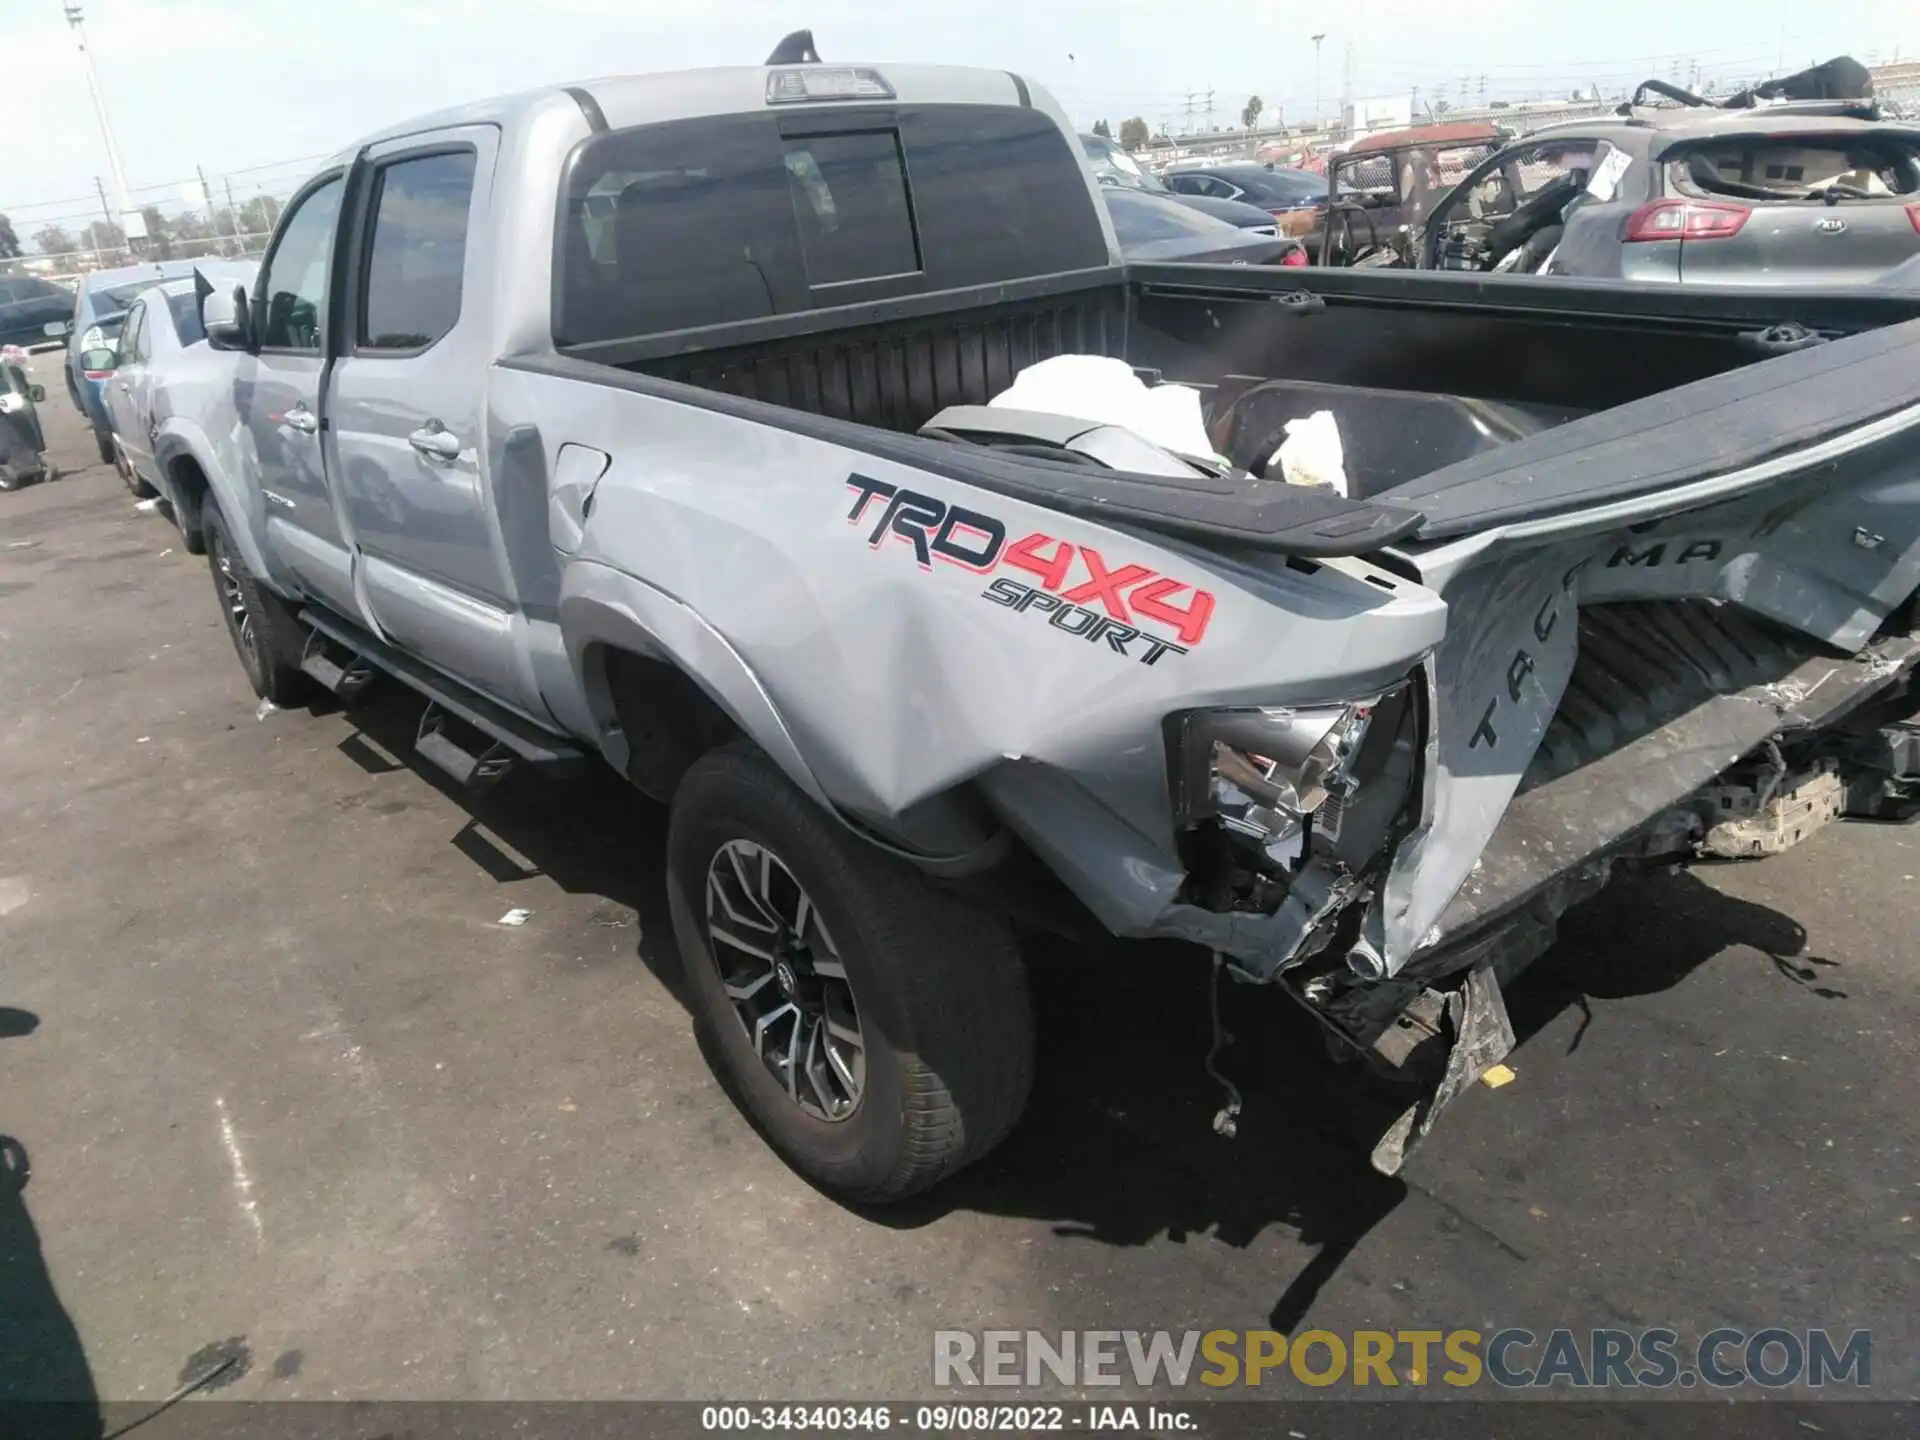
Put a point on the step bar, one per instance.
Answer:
(512, 737)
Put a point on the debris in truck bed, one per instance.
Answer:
(1096, 387)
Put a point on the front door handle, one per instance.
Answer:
(302, 419)
(435, 441)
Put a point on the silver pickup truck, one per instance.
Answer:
(644, 423)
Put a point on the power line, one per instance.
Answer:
(17, 211)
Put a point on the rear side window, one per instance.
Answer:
(705, 222)
(1284, 189)
(130, 336)
(185, 310)
(411, 296)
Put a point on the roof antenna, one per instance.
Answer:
(796, 49)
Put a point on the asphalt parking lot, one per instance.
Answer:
(279, 1084)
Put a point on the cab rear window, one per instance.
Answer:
(712, 221)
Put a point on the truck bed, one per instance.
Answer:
(1424, 372)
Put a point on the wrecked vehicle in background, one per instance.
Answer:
(651, 424)
(1384, 186)
(1789, 184)
(23, 444)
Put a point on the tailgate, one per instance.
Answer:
(1719, 436)
(1632, 611)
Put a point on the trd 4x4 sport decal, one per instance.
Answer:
(1102, 602)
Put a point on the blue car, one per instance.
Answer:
(100, 306)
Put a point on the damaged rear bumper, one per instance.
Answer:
(1686, 729)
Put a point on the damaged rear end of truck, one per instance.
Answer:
(1680, 629)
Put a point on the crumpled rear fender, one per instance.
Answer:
(601, 608)
(180, 437)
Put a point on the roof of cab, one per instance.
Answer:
(627, 100)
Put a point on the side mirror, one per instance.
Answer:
(224, 316)
(37, 394)
(57, 329)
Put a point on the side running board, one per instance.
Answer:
(503, 736)
(323, 661)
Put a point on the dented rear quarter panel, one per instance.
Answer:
(899, 676)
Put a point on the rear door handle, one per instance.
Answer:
(435, 441)
(302, 419)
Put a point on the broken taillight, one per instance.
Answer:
(1686, 220)
(1913, 214)
(1297, 255)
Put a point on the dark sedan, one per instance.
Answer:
(1154, 227)
(27, 304)
(1294, 198)
(1113, 167)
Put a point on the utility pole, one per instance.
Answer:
(213, 216)
(1317, 123)
(233, 214)
(106, 213)
(132, 223)
(1187, 124)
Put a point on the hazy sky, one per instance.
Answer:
(255, 89)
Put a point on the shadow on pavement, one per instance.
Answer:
(46, 1385)
(592, 835)
(15, 1023)
(1646, 933)
(1117, 1145)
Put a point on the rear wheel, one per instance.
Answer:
(877, 1030)
(265, 634)
(105, 443)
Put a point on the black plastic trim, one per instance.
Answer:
(1246, 512)
(1020, 89)
(589, 107)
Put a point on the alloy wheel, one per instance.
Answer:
(233, 599)
(785, 979)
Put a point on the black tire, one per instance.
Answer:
(105, 443)
(271, 646)
(942, 999)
